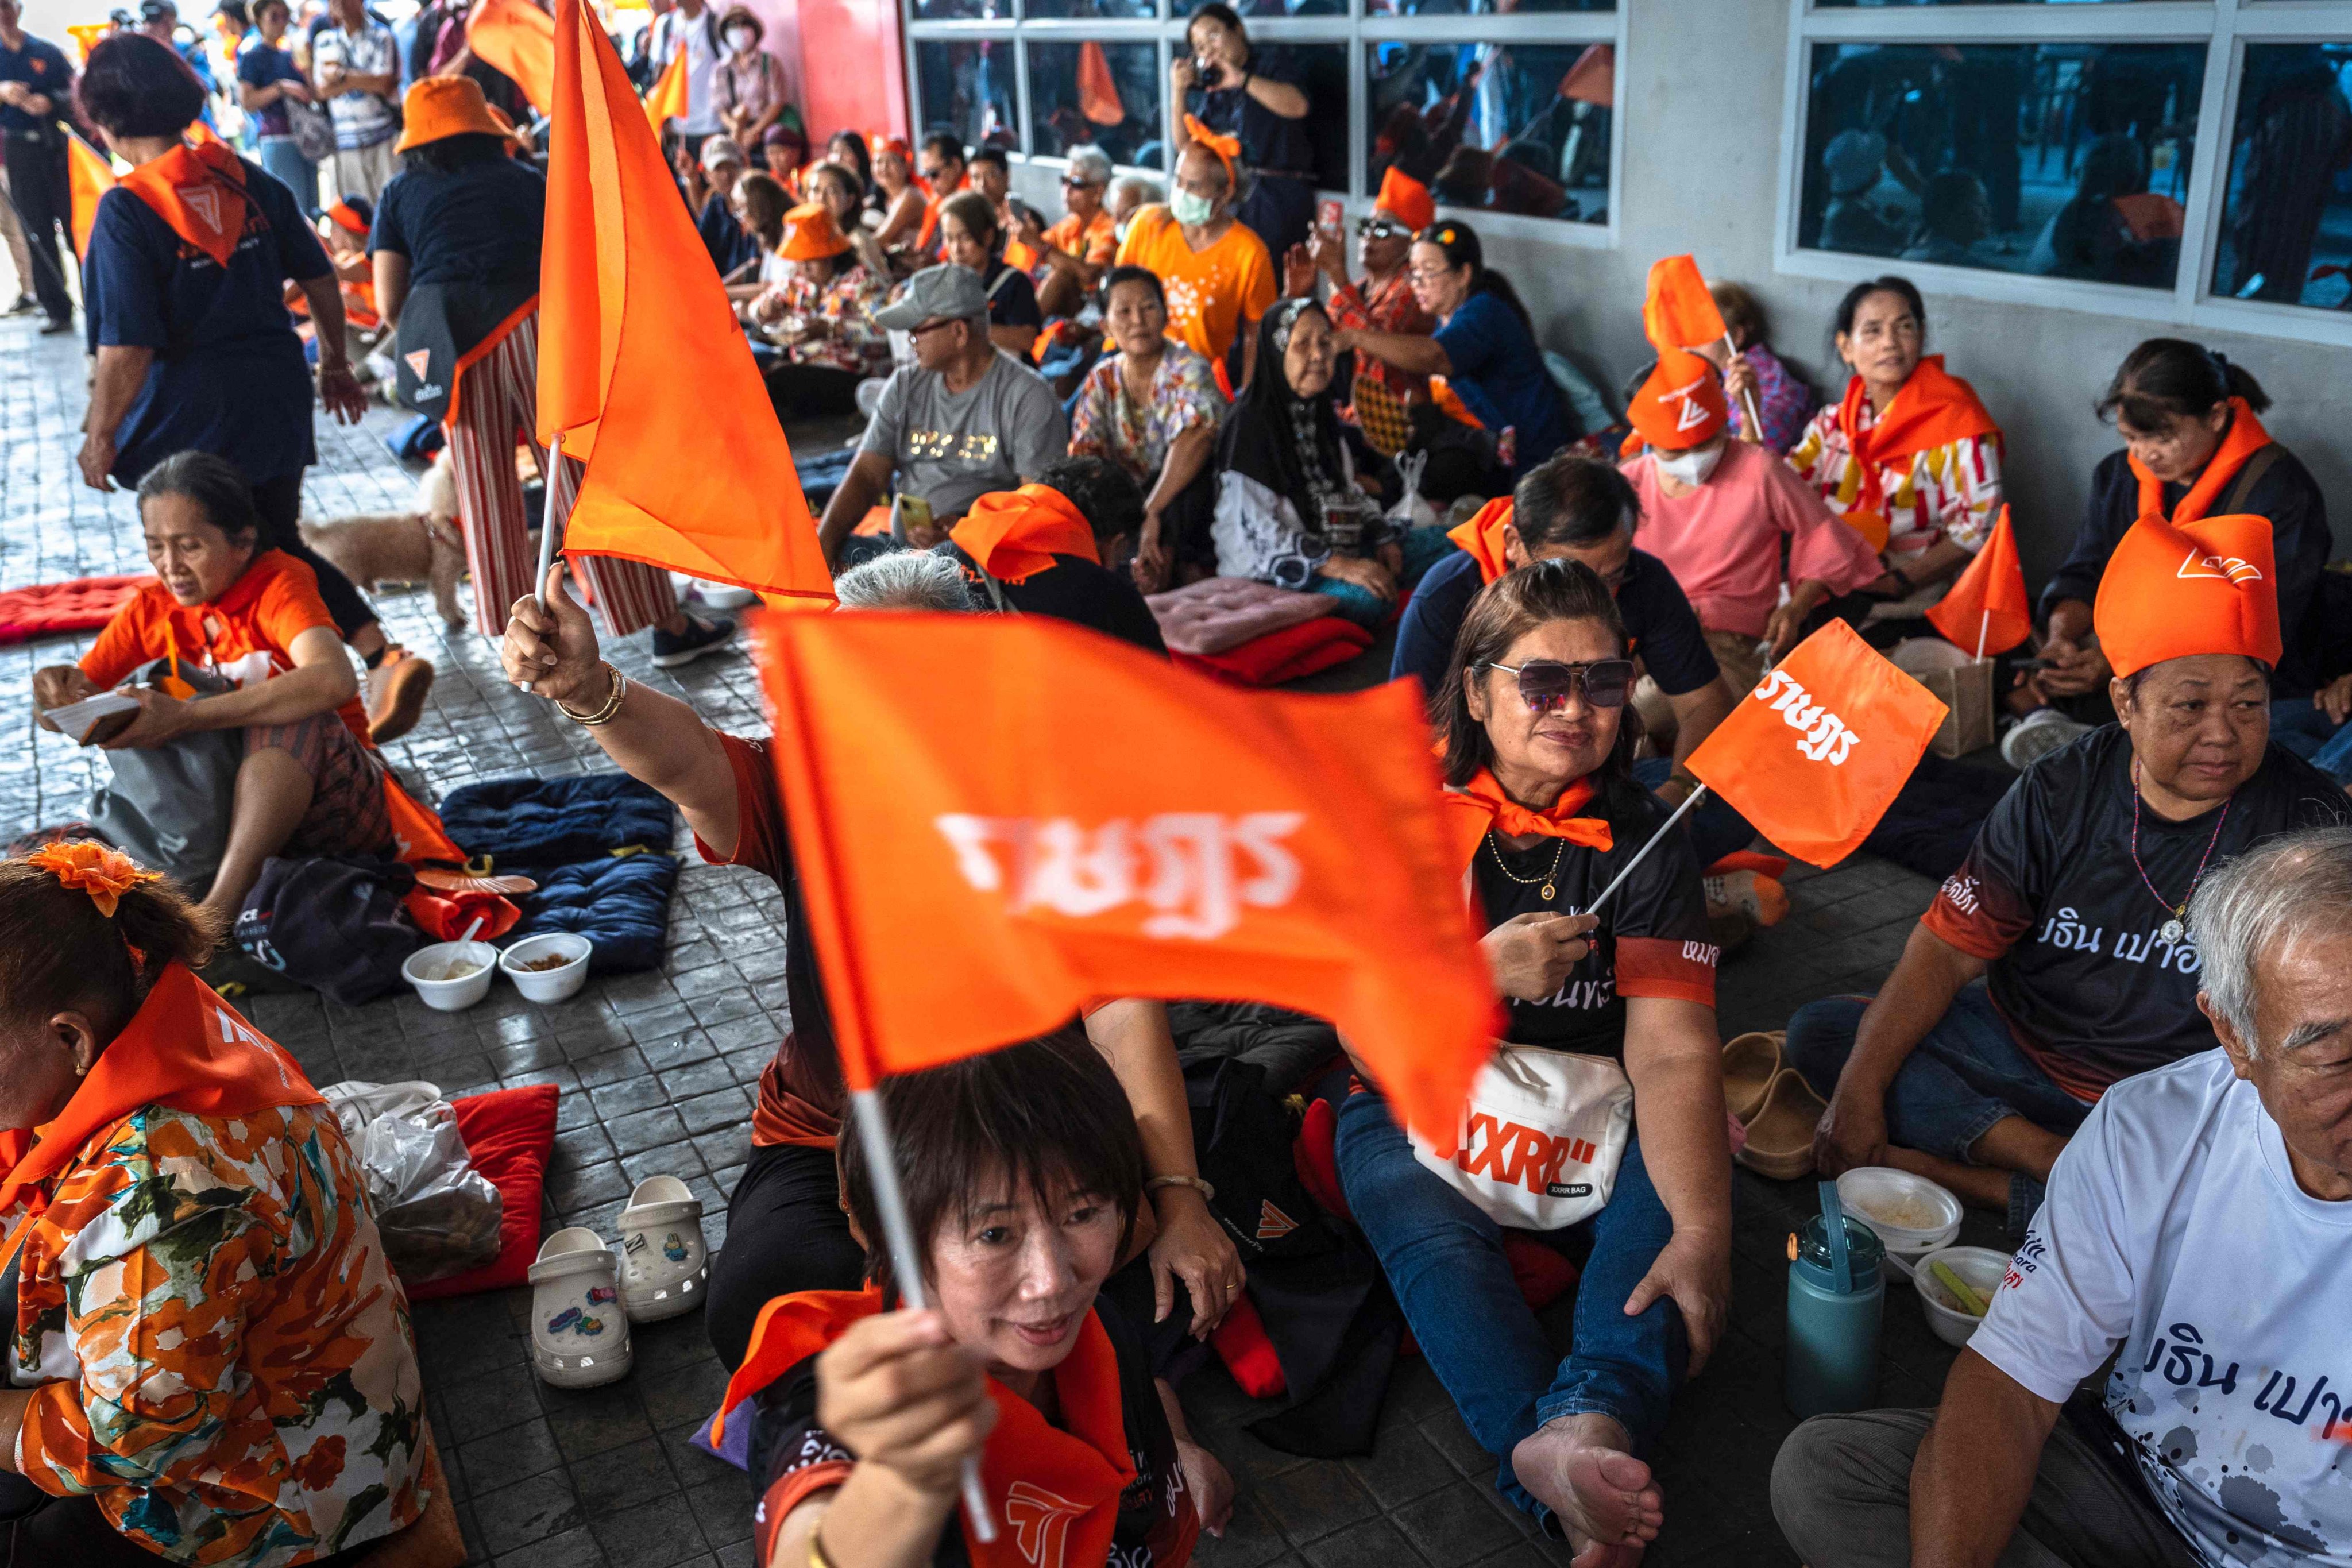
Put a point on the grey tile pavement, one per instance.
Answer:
(656, 1072)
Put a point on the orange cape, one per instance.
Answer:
(1934, 409)
(1482, 537)
(1016, 534)
(2246, 436)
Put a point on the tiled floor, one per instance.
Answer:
(656, 1072)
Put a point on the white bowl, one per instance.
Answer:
(548, 984)
(1867, 1192)
(426, 971)
(1980, 1266)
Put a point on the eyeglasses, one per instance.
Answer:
(917, 331)
(935, 173)
(1072, 183)
(1381, 228)
(1546, 684)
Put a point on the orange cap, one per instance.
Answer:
(1227, 148)
(1408, 198)
(443, 106)
(811, 235)
(1680, 407)
(2208, 586)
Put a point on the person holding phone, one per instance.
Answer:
(1240, 92)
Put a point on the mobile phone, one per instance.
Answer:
(1327, 218)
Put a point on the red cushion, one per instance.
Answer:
(509, 1133)
(1290, 654)
(48, 608)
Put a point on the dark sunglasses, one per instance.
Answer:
(1381, 228)
(1072, 183)
(1546, 683)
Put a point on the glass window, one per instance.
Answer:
(1102, 95)
(2064, 160)
(967, 89)
(2286, 224)
(1889, 5)
(1146, 8)
(1271, 8)
(1505, 127)
(960, 10)
(1480, 7)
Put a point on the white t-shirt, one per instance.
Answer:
(2174, 1225)
(703, 53)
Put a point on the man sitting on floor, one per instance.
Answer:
(2198, 1221)
(1045, 549)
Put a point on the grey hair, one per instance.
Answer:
(1144, 191)
(903, 580)
(1091, 165)
(2291, 888)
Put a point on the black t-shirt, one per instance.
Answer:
(479, 223)
(1660, 625)
(1076, 590)
(2050, 897)
(729, 246)
(1652, 938)
(1012, 298)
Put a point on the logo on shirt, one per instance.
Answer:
(419, 362)
(1040, 1522)
(2231, 568)
(1197, 869)
(1826, 737)
(938, 446)
(1273, 1224)
(203, 204)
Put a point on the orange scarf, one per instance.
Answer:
(1482, 538)
(1480, 807)
(200, 192)
(1016, 534)
(185, 1049)
(2245, 437)
(1933, 409)
(1056, 1488)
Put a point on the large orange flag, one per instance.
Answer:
(980, 863)
(642, 369)
(91, 176)
(1099, 97)
(518, 38)
(1818, 751)
(669, 96)
(1987, 609)
(1678, 311)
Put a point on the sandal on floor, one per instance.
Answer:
(664, 1267)
(579, 1333)
(1780, 1134)
(1750, 1063)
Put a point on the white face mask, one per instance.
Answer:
(1188, 208)
(740, 39)
(1690, 468)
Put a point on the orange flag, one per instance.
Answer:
(642, 369)
(92, 174)
(1678, 311)
(667, 100)
(978, 865)
(518, 38)
(1593, 77)
(1987, 609)
(1818, 751)
(1099, 97)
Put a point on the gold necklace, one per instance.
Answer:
(1545, 891)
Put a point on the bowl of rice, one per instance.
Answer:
(1911, 1215)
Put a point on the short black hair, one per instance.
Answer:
(948, 144)
(448, 155)
(1047, 1114)
(988, 155)
(211, 482)
(1890, 284)
(1128, 272)
(1573, 500)
(135, 86)
(1104, 493)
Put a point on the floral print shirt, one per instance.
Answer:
(1389, 307)
(1785, 399)
(846, 304)
(219, 1353)
(1106, 422)
(1952, 491)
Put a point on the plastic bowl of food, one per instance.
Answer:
(1980, 1269)
(548, 968)
(451, 976)
(1911, 1215)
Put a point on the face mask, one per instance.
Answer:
(1119, 230)
(742, 39)
(1690, 468)
(1188, 208)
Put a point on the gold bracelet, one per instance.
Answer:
(612, 704)
(817, 1559)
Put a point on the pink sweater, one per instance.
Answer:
(1722, 542)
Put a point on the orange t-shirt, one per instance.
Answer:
(1095, 246)
(244, 635)
(1211, 293)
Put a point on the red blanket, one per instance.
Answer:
(1290, 654)
(50, 609)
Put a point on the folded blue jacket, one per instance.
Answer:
(524, 822)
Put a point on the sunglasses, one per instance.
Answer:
(1381, 228)
(1546, 684)
(1072, 183)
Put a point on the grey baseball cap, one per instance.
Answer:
(935, 294)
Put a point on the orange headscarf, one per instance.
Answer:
(2171, 592)
(1481, 805)
(1228, 151)
(198, 190)
(1407, 198)
(1680, 407)
(1934, 409)
(2245, 437)
(811, 235)
(1482, 537)
(1016, 534)
(878, 144)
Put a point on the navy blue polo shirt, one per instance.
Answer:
(43, 67)
(228, 376)
(481, 222)
(1499, 373)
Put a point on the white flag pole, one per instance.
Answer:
(906, 1264)
(1984, 629)
(1689, 800)
(1755, 421)
(547, 529)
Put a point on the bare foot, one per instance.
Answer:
(1578, 1466)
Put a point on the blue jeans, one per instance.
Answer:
(1716, 829)
(1423, 548)
(2312, 735)
(1445, 1260)
(281, 156)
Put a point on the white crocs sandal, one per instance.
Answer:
(579, 1330)
(665, 1267)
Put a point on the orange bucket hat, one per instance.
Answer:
(1680, 407)
(1407, 198)
(811, 235)
(442, 105)
(2207, 586)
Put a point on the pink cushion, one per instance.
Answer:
(1221, 613)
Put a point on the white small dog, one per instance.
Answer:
(420, 546)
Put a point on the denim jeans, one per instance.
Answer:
(1716, 829)
(2312, 735)
(1422, 547)
(281, 156)
(1445, 1260)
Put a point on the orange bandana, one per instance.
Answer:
(1228, 151)
(1680, 407)
(1056, 1490)
(200, 192)
(1481, 805)
(2206, 586)
(1934, 409)
(1016, 534)
(1482, 538)
(2246, 436)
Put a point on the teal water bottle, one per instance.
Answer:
(1837, 1295)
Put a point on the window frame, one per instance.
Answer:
(1355, 31)
(2225, 27)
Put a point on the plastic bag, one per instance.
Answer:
(438, 1215)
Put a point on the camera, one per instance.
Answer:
(1211, 72)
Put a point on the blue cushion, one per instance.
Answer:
(524, 821)
(621, 906)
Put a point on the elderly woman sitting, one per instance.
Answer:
(1153, 409)
(818, 309)
(2055, 961)
(208, 1359)
(309, 783)
(972, 237)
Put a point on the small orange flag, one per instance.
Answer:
(1819, 749)
(1678, 311)
(92, 174)
(668, 98)
(979, 864)
(518, 38)
(1099, 97)
(1593, 77)
(642, 369)
(1987, 609)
